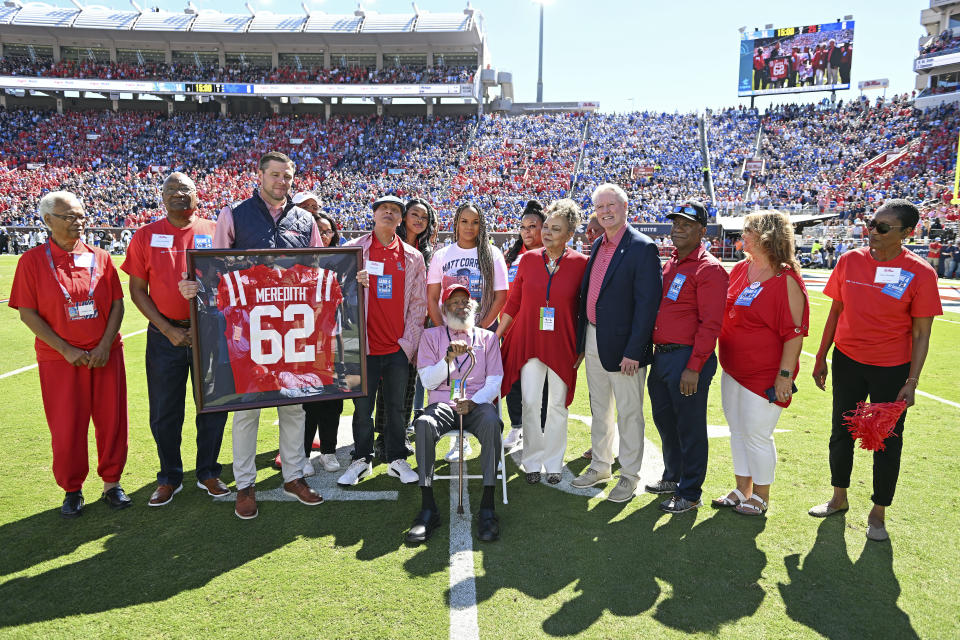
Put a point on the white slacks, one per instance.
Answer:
(543, 449)
(607, 388)
(245, 426)
(752, 420)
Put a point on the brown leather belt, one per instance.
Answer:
(183, 324)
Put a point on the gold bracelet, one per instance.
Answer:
(916, 380)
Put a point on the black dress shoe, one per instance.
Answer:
(488, 525)
(72, 505)
(423, 525)
(116, 498)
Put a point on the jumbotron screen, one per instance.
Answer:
(796, 59)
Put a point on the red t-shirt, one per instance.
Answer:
(934, 251)
(278, 326)
(386, 313)
(876, 325)
(158, 254)
(35, 287)
(756, 323)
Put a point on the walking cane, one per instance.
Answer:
(463, 396)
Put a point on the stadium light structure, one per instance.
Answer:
(540, 64)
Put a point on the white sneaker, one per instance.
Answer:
(400, 468)
(357, 470)
(308, 469)
(454, 454)
(513, 438)
(329, 462)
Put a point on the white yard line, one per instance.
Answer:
(463, 586)
(34, 366)
(919, 392)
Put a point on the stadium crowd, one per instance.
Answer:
(232, 72)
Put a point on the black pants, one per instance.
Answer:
(393, 369)
(322, 417)
(852, 383)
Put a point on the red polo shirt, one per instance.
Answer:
(386, 313)
(35, 286)
(158, 254)
(691, 309)
(599, 269)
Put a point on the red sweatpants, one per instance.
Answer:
(71, 396)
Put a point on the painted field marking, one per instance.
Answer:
(34, 366)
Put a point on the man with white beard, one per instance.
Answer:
(443, 362)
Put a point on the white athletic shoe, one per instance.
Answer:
(400, 468)
(308, 469)
(513, 438)
(357, 470)
(454, 454)
(329, 462)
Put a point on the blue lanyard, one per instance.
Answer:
(465, 357)
(550, 275)
(53, 269)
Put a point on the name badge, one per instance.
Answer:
(896, 289)
(162, 240)
(384, 287)
(457, 386)
(83, 260)
(887, 275)
(81, 310)
(674, 292)
(512, 273)
(748, 295)
(476, 288)
(202, 242)
(374, 268)
(547, 317)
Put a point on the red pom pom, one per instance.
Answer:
(874, 422)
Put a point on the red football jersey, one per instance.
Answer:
(280, 326)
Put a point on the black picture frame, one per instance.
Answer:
(234, 370)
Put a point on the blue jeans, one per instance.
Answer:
(167, 368)
(949, 267)
(393, 369)
(681, 420)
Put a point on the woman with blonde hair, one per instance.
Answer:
(766, 318)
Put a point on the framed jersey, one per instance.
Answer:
(276, 326)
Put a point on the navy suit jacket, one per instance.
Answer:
(628, 302)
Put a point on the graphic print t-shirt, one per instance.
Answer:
(455, 264)
(280, 326)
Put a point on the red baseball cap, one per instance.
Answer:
(451, 289)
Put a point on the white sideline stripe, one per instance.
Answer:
(463, 586)
(919, 393)
(34, 366)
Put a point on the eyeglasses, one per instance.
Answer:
(69, 219)
(881, 227)
(328, 232)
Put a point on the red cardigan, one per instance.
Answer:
(524, 340)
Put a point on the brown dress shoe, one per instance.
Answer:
(164, 494)
(301, 491)
(213, 486)
(246, 508)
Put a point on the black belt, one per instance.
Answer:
(183, 324)
(667, 348)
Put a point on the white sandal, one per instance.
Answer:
(725, 501)
(754, 510)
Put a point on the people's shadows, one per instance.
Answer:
(142, 555)
(839, 598)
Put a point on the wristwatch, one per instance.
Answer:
(785, 373)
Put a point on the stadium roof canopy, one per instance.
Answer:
(361, 28)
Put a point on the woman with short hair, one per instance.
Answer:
(766, 318)
(539, 329)
(884, 300)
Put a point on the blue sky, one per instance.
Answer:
(648, 54)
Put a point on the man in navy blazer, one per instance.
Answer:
(619, 299)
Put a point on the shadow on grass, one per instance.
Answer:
(150, 555)
(841, 598)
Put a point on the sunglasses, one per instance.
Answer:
(690, 211)
(881, 227)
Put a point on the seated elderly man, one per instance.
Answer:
(442, 362)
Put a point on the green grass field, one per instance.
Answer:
(565, 566)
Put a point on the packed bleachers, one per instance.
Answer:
(815, 157)
(246, 73)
